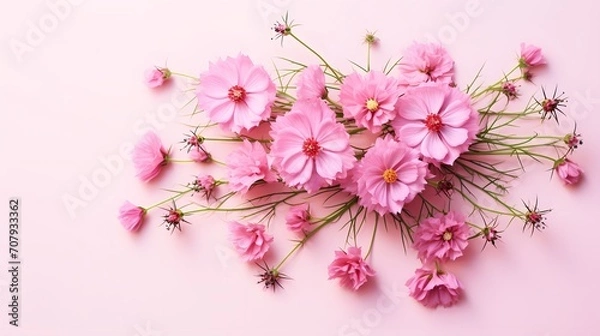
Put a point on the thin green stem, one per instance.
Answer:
(178, 195)
(333, 71)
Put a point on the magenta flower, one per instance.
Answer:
(149, 157)
(434, 287)
(443, 237)
(310, 149)
(156, 77)
(438, 120)
(389, 175)
(531, 56)
(426, 62)
(250, 241)
(248, 165)
(235, 93)
(568, 171)
(298, 218)
(350, 268)
(370, 100)
(204, 184)
(311, 83)
(131, 216)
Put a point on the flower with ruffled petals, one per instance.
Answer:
(310, 149)
(131, 216)
(442, 237)
(248, 165)
(311, 83)
(389, 175)
(156, 77)
(350, 267)
(370, 100)
(149, 157)
(531, 56)
(438, 120)
(235, 93)
(568, 171)
(298, 218)
(426, 62)
(434, 287)
(250, 241)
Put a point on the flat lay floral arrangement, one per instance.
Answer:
(397, 148)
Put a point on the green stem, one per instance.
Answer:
(178, 195)
(372, 240)
(184, 75)
(333, 71)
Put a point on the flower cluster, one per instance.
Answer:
(394, 147)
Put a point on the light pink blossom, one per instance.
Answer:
(248, 165)
(434, 288)
(199, 154)
(350, 267)
(438, 120)
(311, 83)
(235, 93)
(131, 216)
(531, 56)
(156, 77)
(149, 157)
(250, 241)
(370, 100)
(298, 218)
(442, 237)
(426, 62)
(389, 176)
(310, 149)
(568, 171)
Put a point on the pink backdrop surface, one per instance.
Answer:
(72, 96)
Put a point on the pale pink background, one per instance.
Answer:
(77, 97)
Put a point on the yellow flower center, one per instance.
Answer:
(390, 176)
(372, 105)
(447, 236)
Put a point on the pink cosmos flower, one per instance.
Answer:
(235, 93)
(156, 77)
(531, 56)
(250, 241)
(389, 175)
(311, 83)
(568, 171)
(426, 62)
(350, 268)
(443, 237)
(199, 154)
(149, 157)
(247, 165)
(438, 120)
(298, 218)
(310, 149)
(131, 216)
(370, 99)
(434, 288)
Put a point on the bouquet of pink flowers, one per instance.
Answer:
(394, 147)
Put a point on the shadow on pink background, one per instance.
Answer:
(73, 101)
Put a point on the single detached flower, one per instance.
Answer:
(568, 171)
(443, 237)
(352, 270)
(389, 176)
(131, 216)
(426, 62)
(248, 165)
(298, 218)
(438, 120)
(434, 288)
(310, 149)
(552, 106)
(250, 241)
(235, 93)
(149, 157)
(200, 155)
(156, 77)
(370, 100)
(531, 56)
(311, 83)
